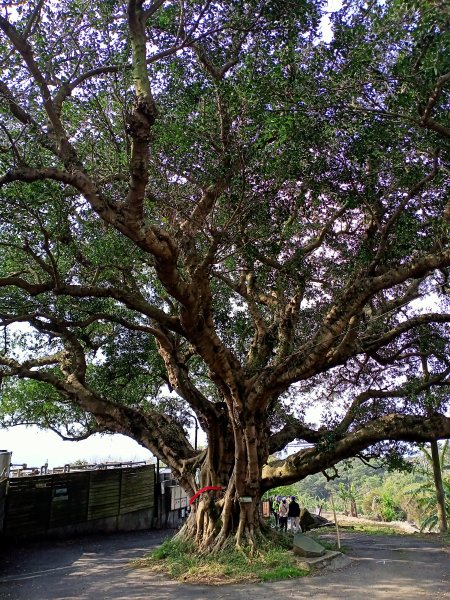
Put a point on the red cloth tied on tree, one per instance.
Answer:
(204, 489)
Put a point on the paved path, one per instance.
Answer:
(98, 568)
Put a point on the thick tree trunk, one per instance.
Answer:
(220, 518)
(440, 494)
(230, 516)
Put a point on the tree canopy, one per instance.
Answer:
(209, 211)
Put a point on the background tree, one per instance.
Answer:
(385, 489)
(206, 198)
(441, 503)
(433, 494)
(436, 461)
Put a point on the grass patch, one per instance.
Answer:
(273, 561)
(374, 529)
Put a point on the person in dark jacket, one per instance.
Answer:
(294, 514)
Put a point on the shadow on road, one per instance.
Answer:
(99, 568)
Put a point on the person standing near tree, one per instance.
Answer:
(294, 514)
(275, 509)
(283, 514)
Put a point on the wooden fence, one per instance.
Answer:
(42, 504)
(3, 483)
(5, 461)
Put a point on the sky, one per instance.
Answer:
(35, 447)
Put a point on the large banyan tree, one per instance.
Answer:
(226, 211)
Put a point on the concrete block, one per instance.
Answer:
(305, 546)
(330, 561)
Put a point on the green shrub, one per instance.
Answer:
(389, 510)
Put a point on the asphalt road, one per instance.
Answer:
(98, 568)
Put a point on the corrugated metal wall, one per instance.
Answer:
(37, 505)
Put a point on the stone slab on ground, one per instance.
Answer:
(332, 560)
(307, 547)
